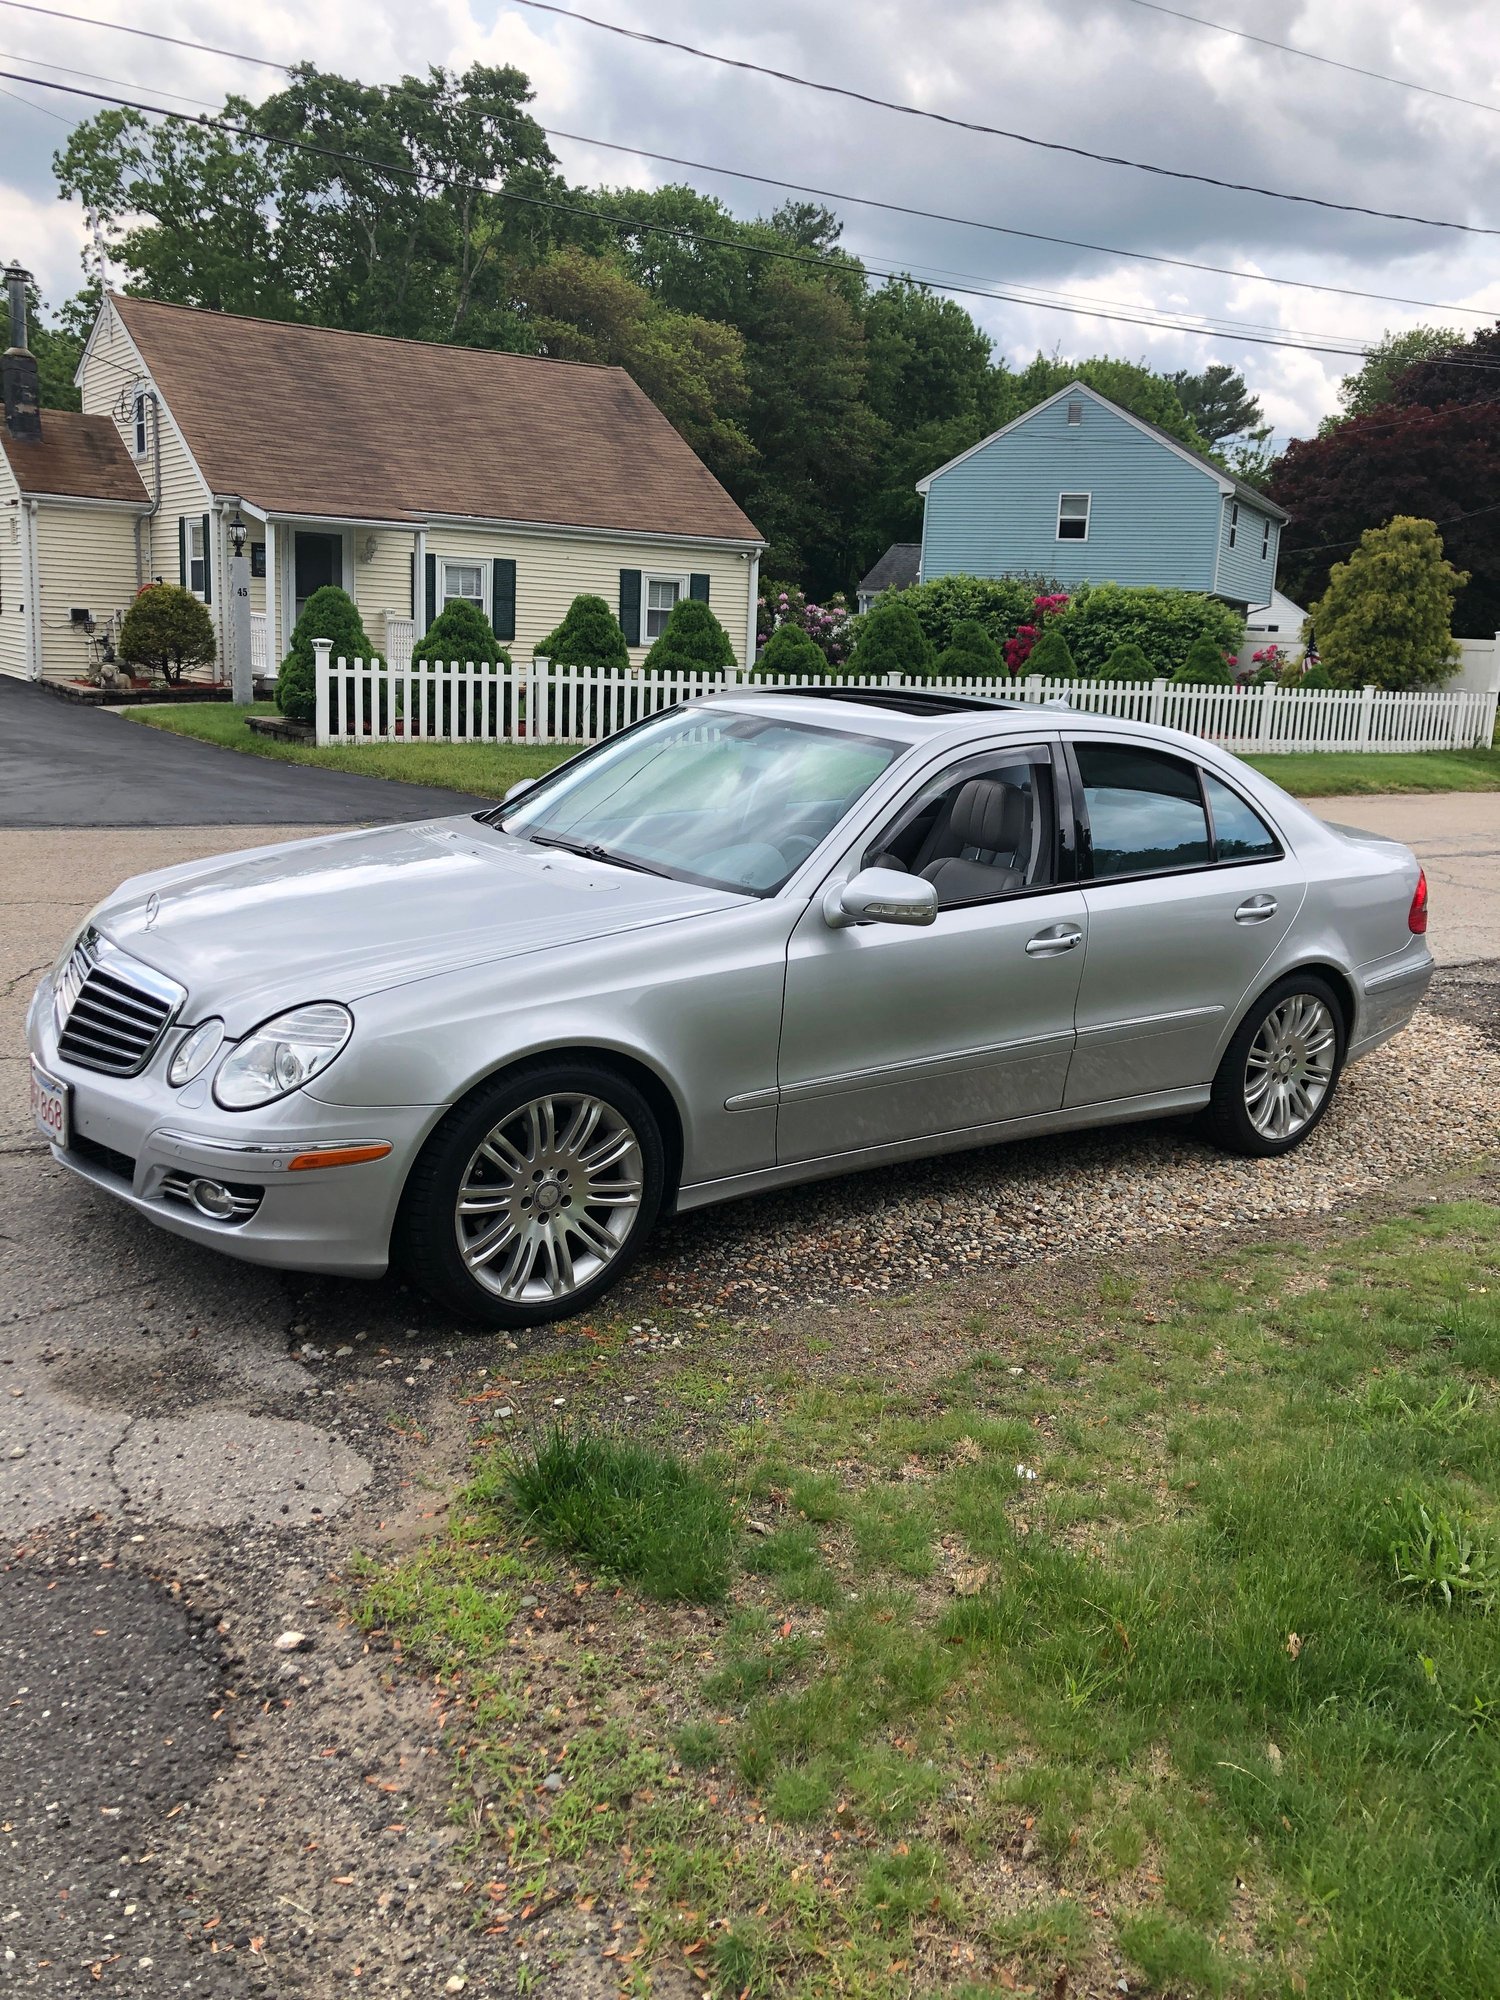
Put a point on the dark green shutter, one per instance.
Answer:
(503, 598)
(698, 586)
(430, 606)
(630, 605)
(182, 550)
(208, 567)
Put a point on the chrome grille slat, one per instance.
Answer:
(111, 1010)
(177, 1186)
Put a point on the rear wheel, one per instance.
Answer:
(1281, 1069)
(534, 1195)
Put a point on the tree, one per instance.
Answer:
(1127, 383)
(589, 636)
(1205, 666)
(1386, 617)
(1218, 405)
(1051, 656)
(1390, 358)
(1128, 663)
(1440, 465)
(891, 641)
(970, 654)
(330, 613)
(693, 642)
(790, 655)
(167, 630)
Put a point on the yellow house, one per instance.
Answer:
(410, 474)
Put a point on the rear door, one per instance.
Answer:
(1188, 893)
(892, 1034)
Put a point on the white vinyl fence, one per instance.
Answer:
(366, 701)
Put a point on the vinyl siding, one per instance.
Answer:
(13, 607)
(86, 557)
(551, 570)
(1243, 576)
(1153, 517)
(382, 586)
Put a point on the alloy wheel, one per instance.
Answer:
(1289, 1069)
(549, 1198)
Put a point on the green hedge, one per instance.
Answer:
(1165, 624)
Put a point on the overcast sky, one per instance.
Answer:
(1106, 74)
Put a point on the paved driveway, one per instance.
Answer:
(65, 765)
(1456, 836)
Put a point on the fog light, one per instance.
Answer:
(212, 1199)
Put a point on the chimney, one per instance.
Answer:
(18, 371)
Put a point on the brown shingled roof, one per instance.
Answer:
(82, 457)
(313, 420)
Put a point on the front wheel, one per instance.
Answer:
(534, 1195)
(1281, 1069)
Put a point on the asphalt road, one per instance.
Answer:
(64, 765)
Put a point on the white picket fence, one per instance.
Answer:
(368, 701)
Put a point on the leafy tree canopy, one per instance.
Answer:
(1372, 382)
(1217, 404)
(1386, 617)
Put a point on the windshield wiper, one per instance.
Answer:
(590, 850)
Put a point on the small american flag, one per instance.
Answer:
(1310, 656)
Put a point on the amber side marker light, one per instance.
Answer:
(336, 1156)
(1416, 916)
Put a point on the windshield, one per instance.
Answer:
(729, 800)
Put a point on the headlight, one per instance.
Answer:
(196, 1053)
(282, 1055)
(71, 946)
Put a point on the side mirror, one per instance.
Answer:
(880, 896)
(521, 785)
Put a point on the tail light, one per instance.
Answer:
(1416, 916)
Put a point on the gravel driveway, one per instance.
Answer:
(190, 1448)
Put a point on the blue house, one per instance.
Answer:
(1081, 490)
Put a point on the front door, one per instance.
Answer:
(892, 1034)
(1189, 892)
(317, 560)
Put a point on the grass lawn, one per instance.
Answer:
(1144, 1629)
(489, 769)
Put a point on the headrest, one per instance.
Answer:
(989, 815)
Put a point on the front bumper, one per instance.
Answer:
(141, 1141)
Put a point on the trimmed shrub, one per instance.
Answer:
(998, 603)
(460, 636)
(891, 640)
(790, 651)
(1205, 666)
(1386, 617)
(694, 642)
(970, 652)
(1051, 656)
(167, 630)
(330, 613)
(1128, 663)
(1163, 623)
(589, 636)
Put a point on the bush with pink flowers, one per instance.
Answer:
(827, 625)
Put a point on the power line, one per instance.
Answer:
(1307, 55)
(32, 106)
(97, 76)
(1000, 131)
(792, 187)
(743, 245)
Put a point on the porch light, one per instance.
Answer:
(237, 531)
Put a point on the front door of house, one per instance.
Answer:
(318, 560)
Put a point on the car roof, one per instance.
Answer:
(911, 715)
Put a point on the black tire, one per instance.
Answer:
(426, 1242)
(1228, 1121)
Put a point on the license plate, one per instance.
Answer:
(49, 1105)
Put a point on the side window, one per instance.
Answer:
(984, 829)
(1145, 810)
(1240, 834)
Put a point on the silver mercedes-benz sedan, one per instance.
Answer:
(762, 938)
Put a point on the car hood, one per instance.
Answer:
(348, 914)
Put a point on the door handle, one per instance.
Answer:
(1055, 940)
(1255, 910)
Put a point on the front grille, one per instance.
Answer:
(244, 1197)
(111, 1010)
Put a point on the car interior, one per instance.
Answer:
(976, 835)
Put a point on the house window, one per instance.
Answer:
(1234, 522)
(1075, 413)
(197, 568)
(662, 593)
(138, 419)
(463, 582)
(1073, 517)
(1265, 540)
